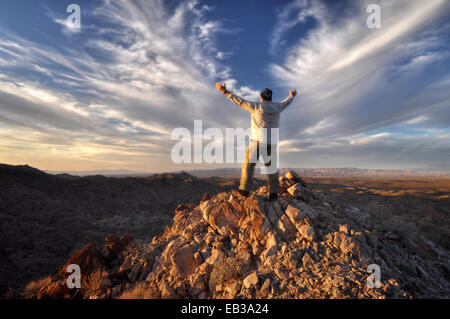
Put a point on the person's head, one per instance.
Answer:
(266, 95)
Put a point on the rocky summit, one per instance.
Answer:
(229, 246)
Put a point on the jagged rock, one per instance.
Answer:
(302, 192)
(251, 280)
(117, 245)
(339, 238)
(271, 244)
(219, 217)
(209, 238)
(295, 190)
(135, 272)
(256, 248)
(88, 258)
(266, 287)
(233, 288)
(293, 176)
(125, 267)
(215, 257)
(307, 232)
(184, 259)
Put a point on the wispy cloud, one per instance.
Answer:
(354, 80)
(155, 74)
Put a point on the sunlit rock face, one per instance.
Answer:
(229, 246)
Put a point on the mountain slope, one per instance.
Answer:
(233, 247)
(45, 218)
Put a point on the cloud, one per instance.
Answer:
(155, 73)
(354, 80)
(400, 24)
(369, 139)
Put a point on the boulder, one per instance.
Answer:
(118, 245)
(184, 259)
(251, 280)
(295, 190)
(307, 232)
(88, 258)
(222, 218)
(293, 176)
(233, 287)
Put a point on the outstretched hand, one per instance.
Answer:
(293, 92)
(221, 87)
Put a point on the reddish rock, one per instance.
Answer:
(293, 176)
(58, 290)
(88, 258)
(184, 259)
(206, 197)
(117, 245)
(219, 217)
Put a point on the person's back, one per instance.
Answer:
(265, 116)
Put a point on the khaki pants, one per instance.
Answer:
(248, 167)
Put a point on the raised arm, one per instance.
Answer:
(242, 103)
(285, 103)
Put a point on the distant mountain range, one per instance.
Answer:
(329, 172)
(104, 172)
(234, 172)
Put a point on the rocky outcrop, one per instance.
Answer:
(229, 246)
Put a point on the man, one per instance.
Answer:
(265, 116)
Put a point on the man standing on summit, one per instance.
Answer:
(265, 116)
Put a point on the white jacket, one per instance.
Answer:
(265, 116)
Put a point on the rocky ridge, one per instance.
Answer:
(230, 246)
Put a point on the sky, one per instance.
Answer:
(109, 94)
